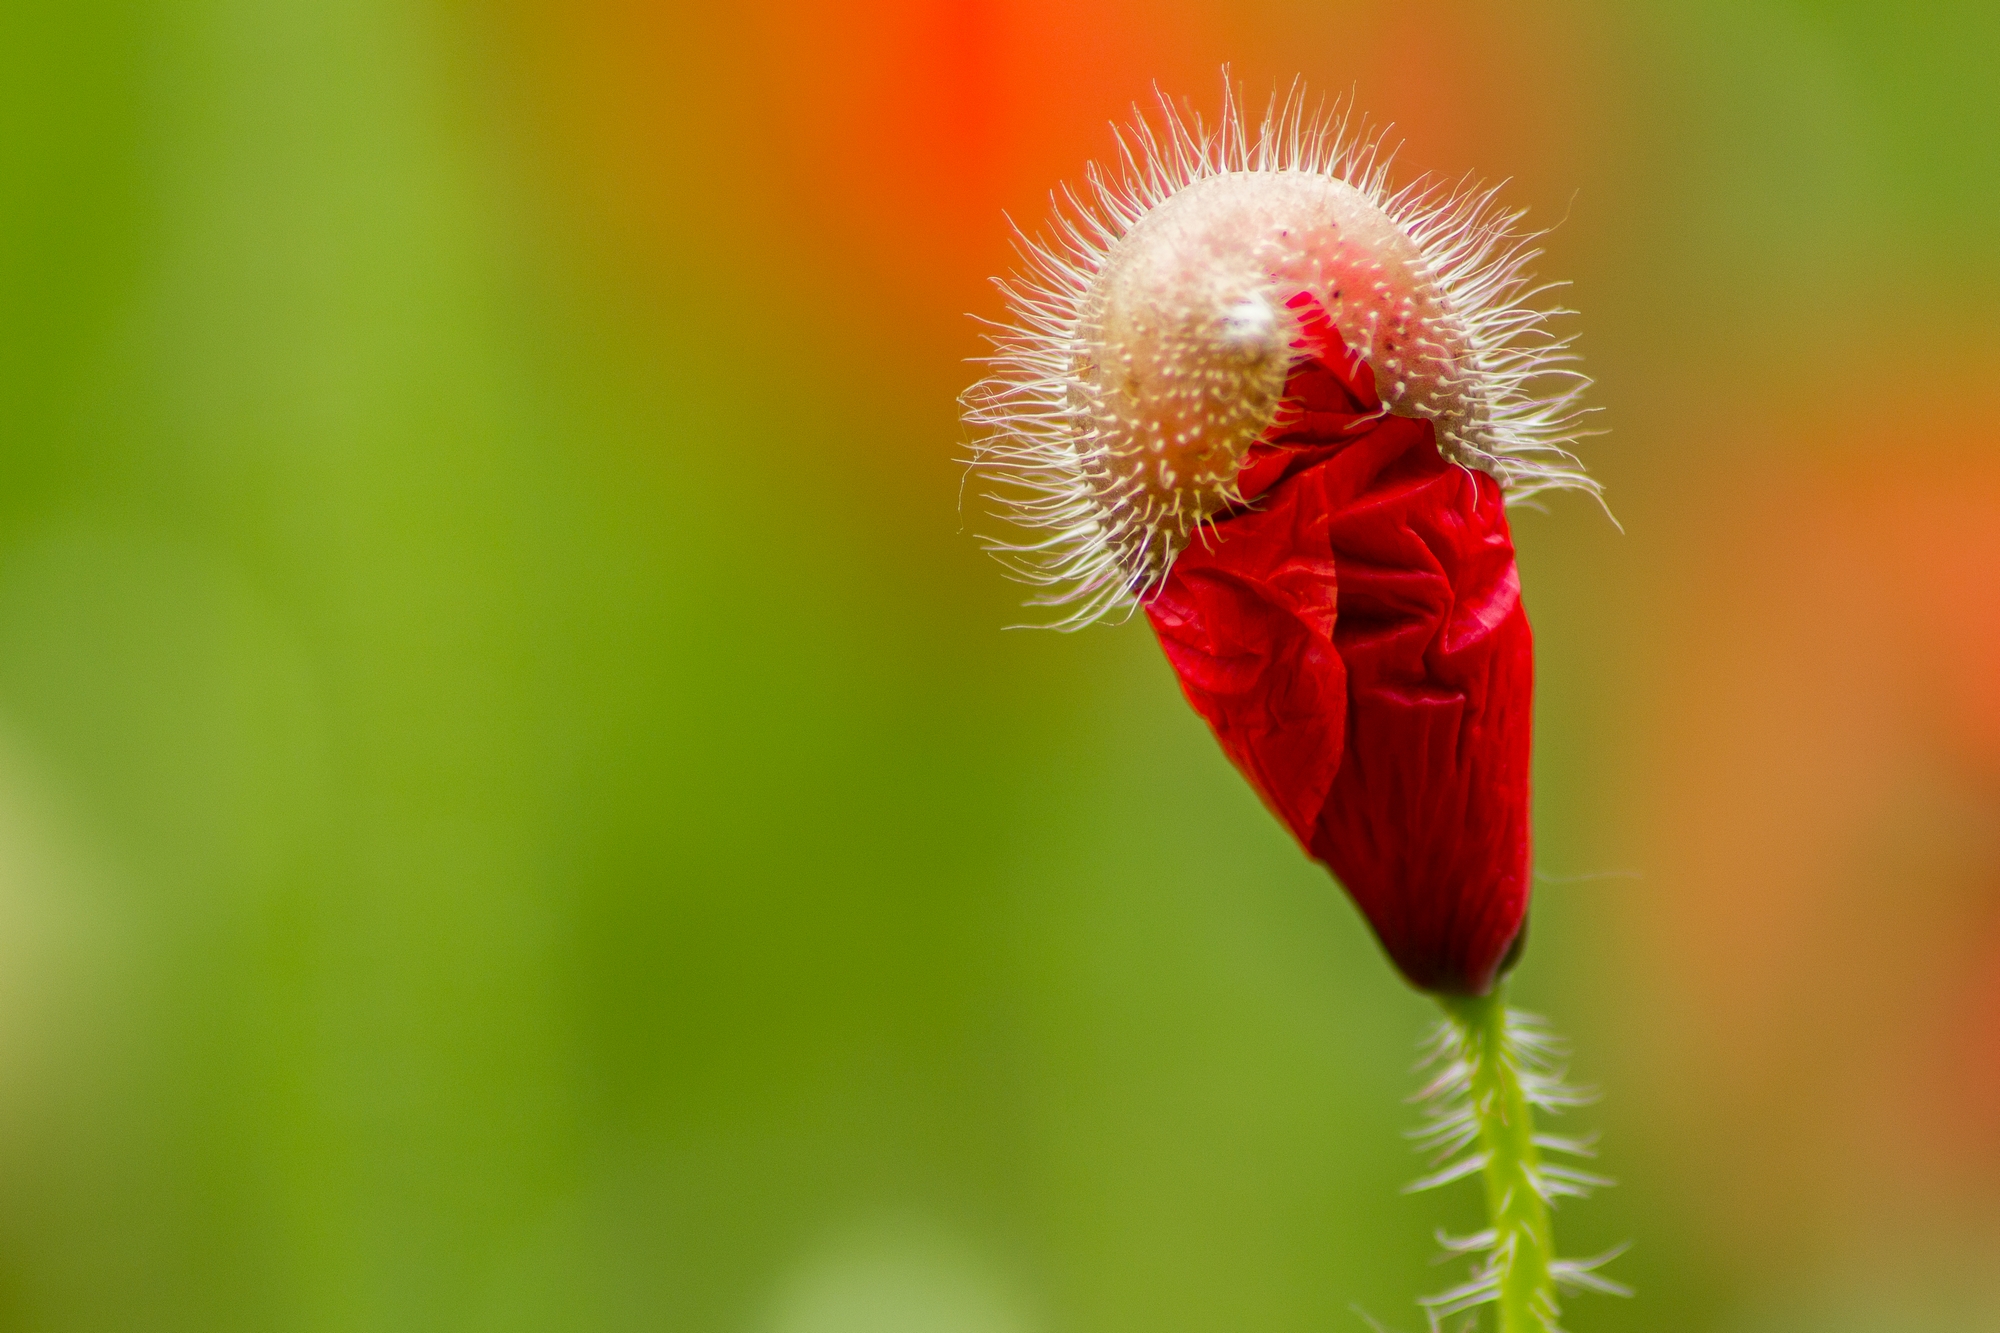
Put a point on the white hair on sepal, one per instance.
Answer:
(1150, 337)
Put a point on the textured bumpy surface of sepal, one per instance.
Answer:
(1152, 339)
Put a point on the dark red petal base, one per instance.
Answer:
(1355, 637)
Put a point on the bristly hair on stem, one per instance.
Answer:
(1493, 1069)
(1150, 336)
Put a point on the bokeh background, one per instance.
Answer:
(518, 809)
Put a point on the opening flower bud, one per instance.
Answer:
(1281, 407)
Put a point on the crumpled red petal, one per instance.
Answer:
(1355, 637)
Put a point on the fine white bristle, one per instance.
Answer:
(1451, 1136)
(1150, 337)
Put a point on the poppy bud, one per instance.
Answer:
(1282, 409)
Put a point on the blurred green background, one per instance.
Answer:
(517, 809)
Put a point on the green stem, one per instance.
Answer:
(1515, 1209)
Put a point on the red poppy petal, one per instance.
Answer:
(1427, 823)
(1248, 623)
(1355, 638)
